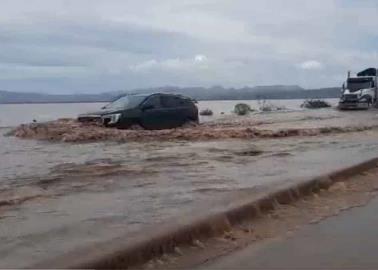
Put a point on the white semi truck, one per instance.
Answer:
(360, 92)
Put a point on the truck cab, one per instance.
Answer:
(359, 92)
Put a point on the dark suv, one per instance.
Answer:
(154, 111)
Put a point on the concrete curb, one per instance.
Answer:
(123, 253)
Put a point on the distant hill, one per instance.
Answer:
(199, 93)
(245, 93)
(19, 97)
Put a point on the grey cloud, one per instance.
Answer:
(97, 34)
(91, 45)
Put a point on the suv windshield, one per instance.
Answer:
(126, 102)
(358, 84)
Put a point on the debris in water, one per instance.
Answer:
(249, 152)
(206, 112)
(339, 186)
(199, 244)
(178, 251)
(315, 104)
(269, 107)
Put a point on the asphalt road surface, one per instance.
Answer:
(346, 241)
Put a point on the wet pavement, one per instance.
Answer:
(346, 241)
(60, 196)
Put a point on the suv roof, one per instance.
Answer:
(162, 94)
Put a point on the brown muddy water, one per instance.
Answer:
(58, 196)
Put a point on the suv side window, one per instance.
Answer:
(153, 101)
(186, 103)
(171, 102)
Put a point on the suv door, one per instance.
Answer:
(190, 110)
(174, 110)
(153, 115)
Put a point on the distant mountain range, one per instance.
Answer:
(199, 93)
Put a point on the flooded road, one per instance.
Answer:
(12, 115)
(60, 196)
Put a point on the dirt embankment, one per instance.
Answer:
(69, 130)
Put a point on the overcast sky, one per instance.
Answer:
(70, 46)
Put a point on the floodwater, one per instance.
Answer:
(23, 160)
(15, 114)
(58, 196)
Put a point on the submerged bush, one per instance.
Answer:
(242, 109)
(206, 112)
